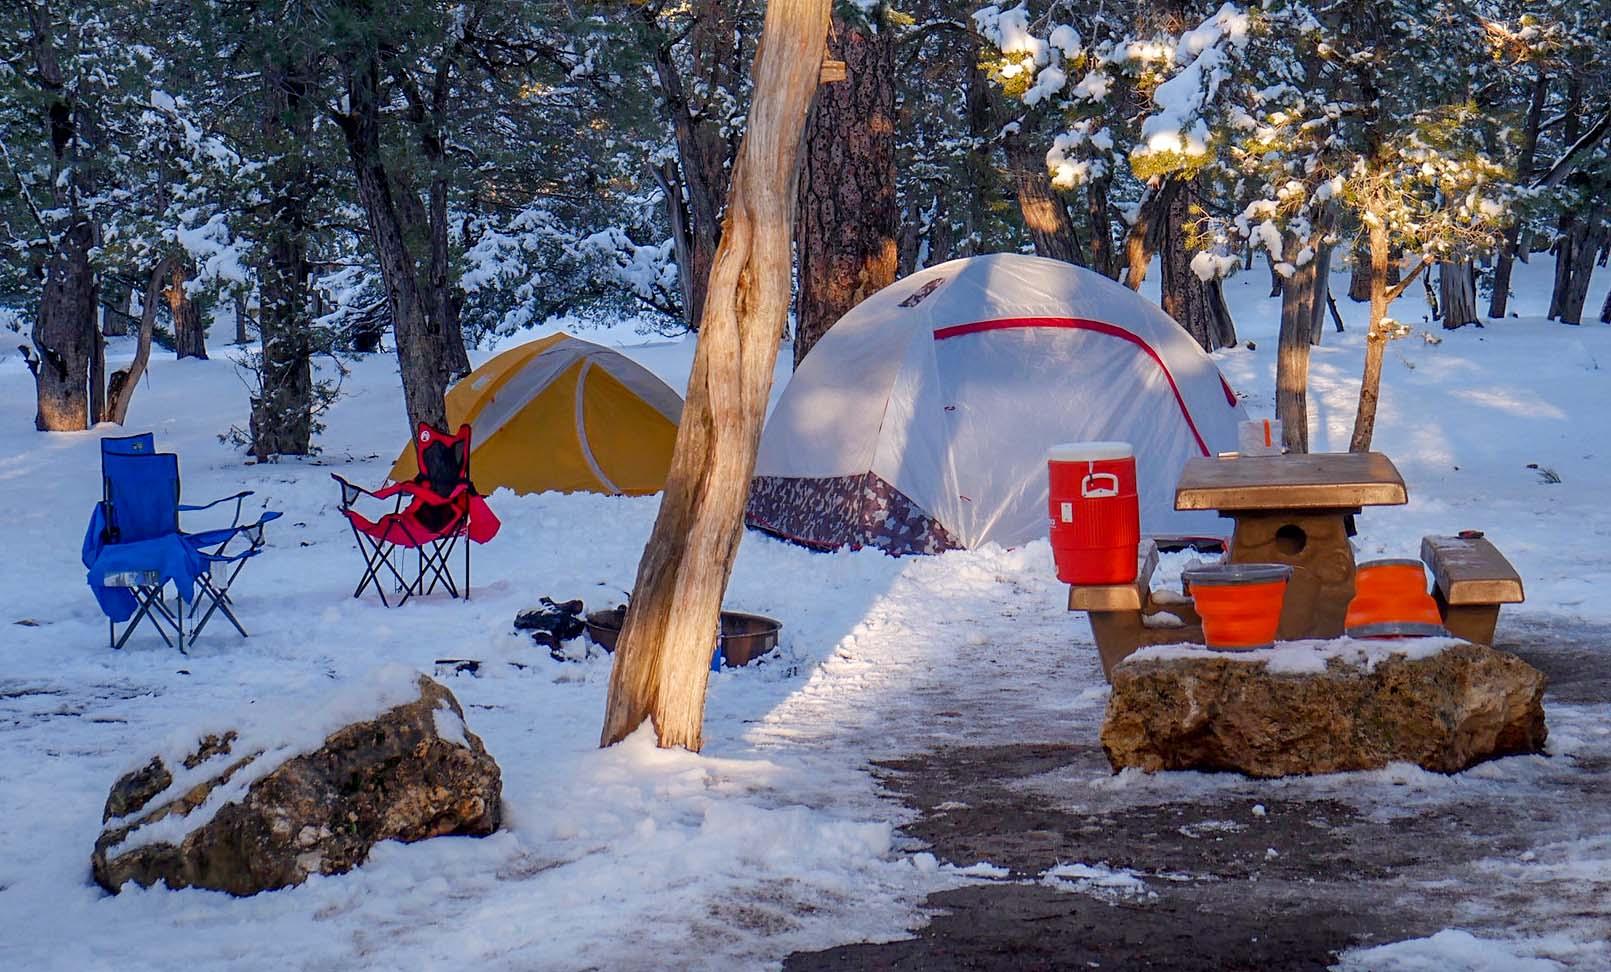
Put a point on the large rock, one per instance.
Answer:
(1322, 707)
(265, 807)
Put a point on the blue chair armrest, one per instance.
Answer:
(219, 539)
(238, 497)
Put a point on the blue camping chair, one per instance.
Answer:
(134, 547)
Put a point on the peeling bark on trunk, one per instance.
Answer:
(845, 239)
(189, 333)
(1457, 293)
(662, 660)
(1043, 211)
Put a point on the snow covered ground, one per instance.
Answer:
(776, 838)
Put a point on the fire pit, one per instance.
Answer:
(744, 637)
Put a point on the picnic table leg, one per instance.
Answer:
(1120, 634)
(1316, 546)
(1470, 622)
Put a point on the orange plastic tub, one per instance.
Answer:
(1240, 604)
(1391, 601)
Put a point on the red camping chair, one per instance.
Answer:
(443, 508)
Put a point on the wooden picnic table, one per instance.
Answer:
(1296, 509)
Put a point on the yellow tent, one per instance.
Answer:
(564, 414)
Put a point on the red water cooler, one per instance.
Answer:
(1096, 520)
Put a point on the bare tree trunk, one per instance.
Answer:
(446, 300)
(1322, 289)
(64, 334)
(942, 236)
(662, 659)
(1359, 274)
(1498, 302)
(120, 386)
(845, 238)
(1382, 294)
(1143, 237)
(1302, 300)
(981, 173)
(282, 410)
(243, 334)
(911, 236)
(1197, 305)
(1588, 234)
(1370, 384)
(1104, 255)
(1570, 229)
(97, 377)
(700, 127)
(1605, 309)
(669, 177)
(1457, 292)
(419, 347)
(116, 304)
(1043, 211)
(189, 333)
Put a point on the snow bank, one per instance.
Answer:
(1308, 657)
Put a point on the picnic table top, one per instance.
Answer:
(1313, 481)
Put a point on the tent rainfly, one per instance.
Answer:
(560, 413)
(920, 422)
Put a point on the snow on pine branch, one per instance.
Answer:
(1177, 131)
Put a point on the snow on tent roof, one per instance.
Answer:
(921, 421)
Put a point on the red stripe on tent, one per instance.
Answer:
(1082, 324)
(1230, 396)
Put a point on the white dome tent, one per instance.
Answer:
(920, 422)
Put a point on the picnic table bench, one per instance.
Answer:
(1126, 617)
(1296, 510)
(1470, 580)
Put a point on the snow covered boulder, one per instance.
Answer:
(289, 794)
(1322, 707)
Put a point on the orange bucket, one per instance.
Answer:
(1391, 601)
(1240, 604)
